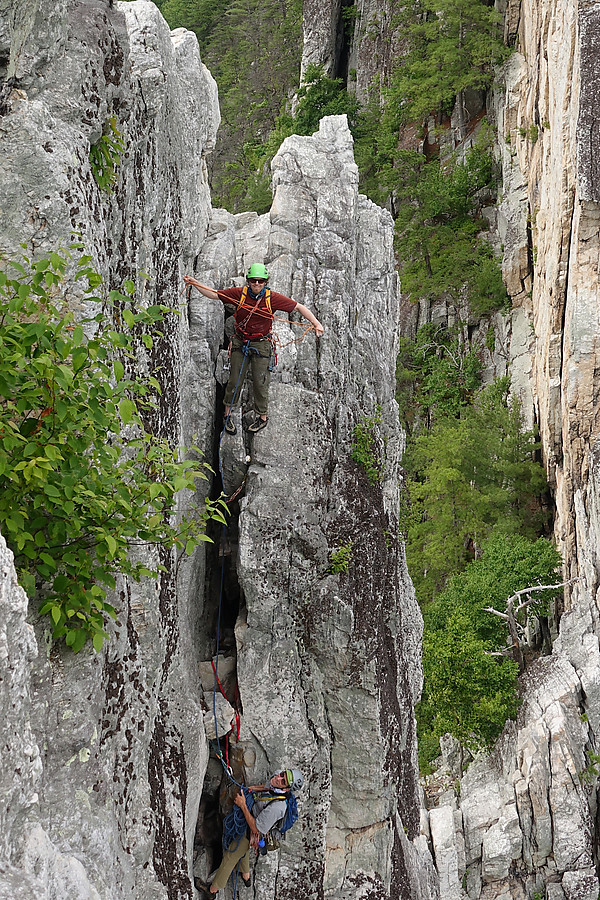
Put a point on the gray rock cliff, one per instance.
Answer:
(343, 668)
(109, 785)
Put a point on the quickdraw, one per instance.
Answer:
(273, 354)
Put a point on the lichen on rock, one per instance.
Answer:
(327, 665)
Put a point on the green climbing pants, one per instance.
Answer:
(236, 853)
(259, 355)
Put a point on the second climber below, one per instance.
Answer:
(253, 318)
(268, 808)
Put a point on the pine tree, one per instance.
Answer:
(468, 478)
(453, 46)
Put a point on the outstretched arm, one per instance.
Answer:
(305, 311)
(208, 292)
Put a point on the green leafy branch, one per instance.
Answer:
(340, 559)
(105, 155)
(364, 448)
(82, 482)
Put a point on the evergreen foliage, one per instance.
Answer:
(199, 16)
(453, 46)
(82, 482)
(469, 477)
(253, 50)
(435, 373)
(321, 96)
(438, 234)
(248, 179)
(507, 565)
(468, 692)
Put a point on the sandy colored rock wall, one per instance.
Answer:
(526, 818)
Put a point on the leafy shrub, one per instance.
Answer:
(364, 448)
(507, 565)
(340, 559)
(83, 484)
(105, 155)
(468, 692)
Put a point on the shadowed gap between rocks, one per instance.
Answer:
(221, 589)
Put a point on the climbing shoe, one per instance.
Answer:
(203, 888)
(246, 882)
(258, 425)
(230, 426)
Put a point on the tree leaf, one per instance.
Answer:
(98, 641)
(126, 411)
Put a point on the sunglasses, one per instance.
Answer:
(257, 280)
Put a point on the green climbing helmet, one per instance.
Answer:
(257, 270)
(295, 778)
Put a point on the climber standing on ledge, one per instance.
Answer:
(269, 806)
(253, 317)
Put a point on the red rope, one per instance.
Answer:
(264, 314)
(237, 712)
(214, 668)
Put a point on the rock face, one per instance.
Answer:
(355, 42)
(376, 43)
(334, 692)
(120, 735)
(526, 821)
(321, 24)
(105, 757)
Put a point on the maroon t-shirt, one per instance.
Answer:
(252, 325)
